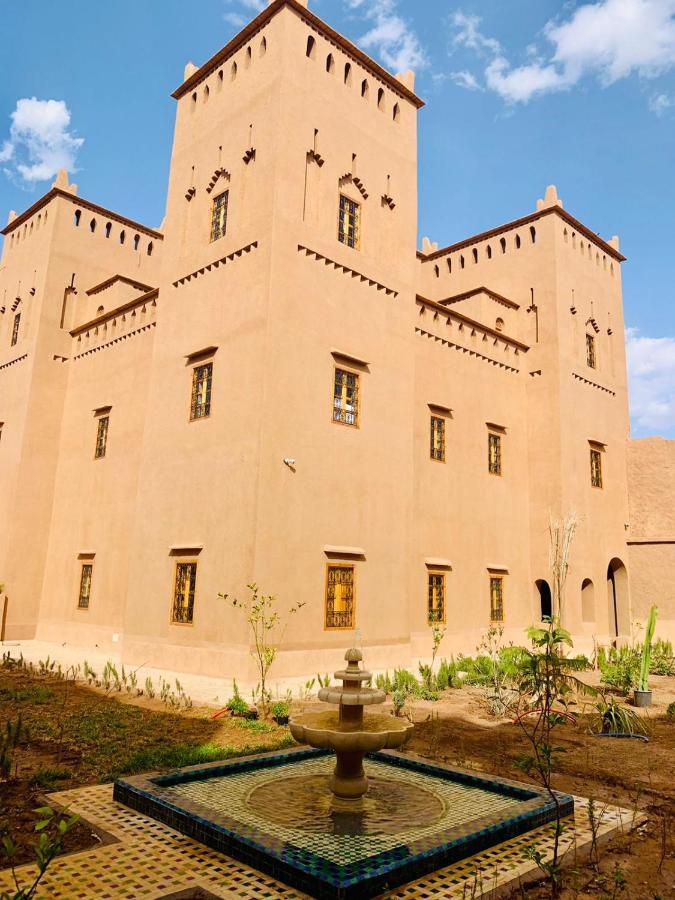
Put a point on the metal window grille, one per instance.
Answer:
(340, 597)
(200, 406)
(15, 329)
(496, 599)
(590, 351)
(349, 223)
(85, 586)
(436, 610)
(495, 454)
(346, 397)
(101, 437)
(438, 438)
(184, 593)
(219, 215)
(596, 468)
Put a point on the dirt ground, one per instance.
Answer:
(79, 735)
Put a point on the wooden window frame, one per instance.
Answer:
(352, 626)
(431, 619)
(437, 449)
(596, 468)
(82, 595)
(102, 426)
(195, 407)
(500, 579)
(219, 215)
(591, 351)
(342, 409)
(15, 329)
(349, 221)
(496, 440)
(180, 564)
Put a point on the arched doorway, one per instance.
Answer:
(617, 598)
(545, 599)
(587, 601)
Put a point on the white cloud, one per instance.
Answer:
(391, 37)
(609, 40)
(40, 142)
(661, 103)
(651, 371)
(248, 10)
(466, 80)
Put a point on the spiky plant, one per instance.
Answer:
(647, 649)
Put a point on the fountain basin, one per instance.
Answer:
(271, 813)
(373, 733)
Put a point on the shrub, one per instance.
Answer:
(620, 669)
(280, 709)
(670, 712)
(447, 675)
(384, 683)
(613, 718)
(405, 681)
(237, 706)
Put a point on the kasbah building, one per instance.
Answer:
(276, 386)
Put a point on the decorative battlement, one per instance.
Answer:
(116, 325)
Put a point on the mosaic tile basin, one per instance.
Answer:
(275, 813)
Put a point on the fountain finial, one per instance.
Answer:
(353, 655)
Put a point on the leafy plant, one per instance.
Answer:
(45, 848)
(280, 709)
(324, 682)
(611, 717)
(384, 683)
(670, 711)
(237, 706)
(15, 734)
(266, 628)
(643, 683)
(619, 668)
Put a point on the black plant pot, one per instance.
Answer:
(251, 714)
(281, 720)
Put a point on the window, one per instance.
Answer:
(349, 223)
(436, 607)
(346, 397)
(15, 329)
(184, 593)
(219, 216)
(340, 597)
(591, 360)
(200, 407)
(495, 454)
(102, 437)
(85, 586)
(437, 448)
(596, 468)
(496, 598)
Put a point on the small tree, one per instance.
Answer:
(45, 849)
(561, 534)
(427, 671)
(267, 629)
(546, 684)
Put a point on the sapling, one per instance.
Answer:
(643, 684)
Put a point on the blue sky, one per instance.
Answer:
(519, 95)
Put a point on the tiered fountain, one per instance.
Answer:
(347, 731)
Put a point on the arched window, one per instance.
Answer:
(78, 216)
(474, 253)
(194, 99)
(221, 76)
(122, 237)
(207, 91)
(437, 271)
(330, 64)
(597, 259)
(150, 249)
(396, 113)
(100, 311)
(587, 601)
(449, 266)
(365, 89)
(517, 242)
(263, 47)
(348, 73)
(108, 229)
(461, 261)
(533, 234)
(574, 240)
(565, 236)
(604, 263)
(248, 57)
(502, 244)
(380, 99)
(311, 47)
(92, 226)
(137, 240)
(233, 71)
(488, 251)
(499, 325)
(581, 245)
(545, 599)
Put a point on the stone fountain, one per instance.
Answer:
(347, 731)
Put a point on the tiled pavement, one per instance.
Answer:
(146, 859)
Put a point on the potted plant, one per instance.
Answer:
(643, 695)
(237, 706)
(280, 712)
